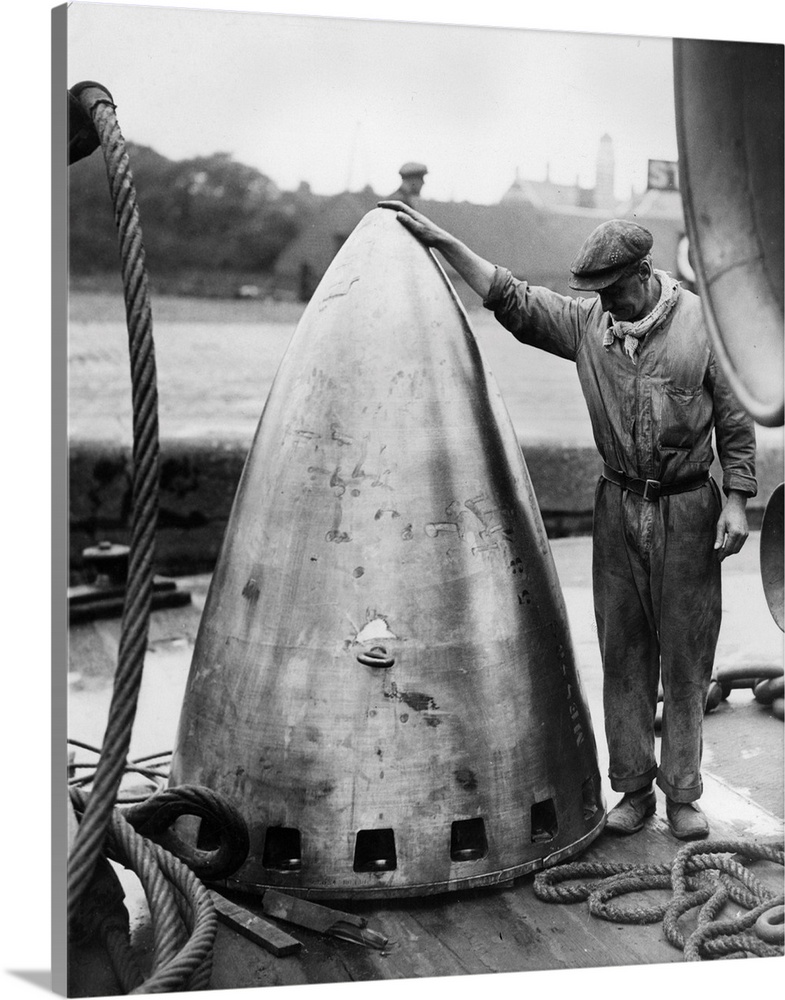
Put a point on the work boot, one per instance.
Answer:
(628, 815)
(686, 820)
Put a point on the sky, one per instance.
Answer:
(341, 102)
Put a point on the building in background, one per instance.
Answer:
(535, 229)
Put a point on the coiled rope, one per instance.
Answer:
(184, 918)
(704, 875)
(152, 814)
(155, 817)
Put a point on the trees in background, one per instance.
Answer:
(209, 216)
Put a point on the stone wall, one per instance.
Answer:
(198, 480)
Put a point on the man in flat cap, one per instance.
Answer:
(412, 180)
(654, 392)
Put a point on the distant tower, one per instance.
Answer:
(515, 192)
(603, 191)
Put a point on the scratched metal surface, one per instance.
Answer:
(385, 505)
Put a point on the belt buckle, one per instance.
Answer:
(656, 485)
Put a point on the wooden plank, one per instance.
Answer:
(255, 928)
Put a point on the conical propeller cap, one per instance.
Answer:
(383, 681)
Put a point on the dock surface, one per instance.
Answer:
(481, 931)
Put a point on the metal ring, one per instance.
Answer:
(770, 927)
(376, 657)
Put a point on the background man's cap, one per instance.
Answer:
(611, 248)
(413, 170)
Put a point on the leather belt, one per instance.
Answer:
(653, 489)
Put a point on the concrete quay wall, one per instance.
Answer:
(198, 480)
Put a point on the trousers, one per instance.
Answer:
(658, 607)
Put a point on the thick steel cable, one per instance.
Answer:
(184, 920)
(92, 830)
(179, 966)
(183, 917)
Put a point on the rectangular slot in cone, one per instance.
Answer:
(282, 850)
(468, 841)
(209, 836)
(374, 851)
(590, 803)
(544, 822)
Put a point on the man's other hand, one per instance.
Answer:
(732, 530)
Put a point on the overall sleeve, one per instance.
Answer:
(734, 432)
(538, 316)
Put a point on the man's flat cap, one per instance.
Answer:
(611, 248)
(413, 170)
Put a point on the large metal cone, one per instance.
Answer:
(383, 681)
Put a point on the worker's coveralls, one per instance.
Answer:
(656, 574)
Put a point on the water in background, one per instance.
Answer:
(216, 362)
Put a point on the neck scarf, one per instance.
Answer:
(633, 333)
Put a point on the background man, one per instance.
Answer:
(654, 393)
(412, 180)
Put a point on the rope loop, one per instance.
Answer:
(600, 899)
(154, 818)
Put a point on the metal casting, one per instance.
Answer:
(383, 681)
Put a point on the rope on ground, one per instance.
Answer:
(706, 875)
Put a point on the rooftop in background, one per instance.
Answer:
(535, 229)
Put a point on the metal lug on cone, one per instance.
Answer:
(383, 681)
